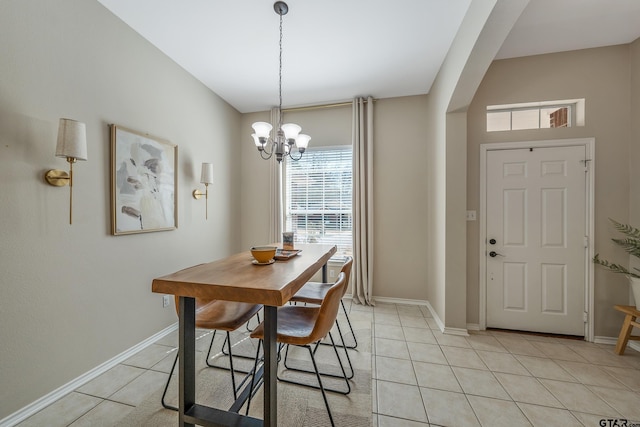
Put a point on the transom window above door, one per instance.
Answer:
(535, 115)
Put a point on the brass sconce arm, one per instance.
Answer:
(206, 178)
(72, 145)
(197, 194)
(60, 178)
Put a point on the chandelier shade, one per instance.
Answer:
(302, 141)
(287, 136)
(291, 131)
(262, 129)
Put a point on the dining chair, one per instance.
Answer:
(314, 293)
(218, 315)
(303, 326)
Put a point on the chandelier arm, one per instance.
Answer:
(293, 158)
(269, 143)
(262, 152)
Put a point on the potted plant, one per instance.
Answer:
(631, 244)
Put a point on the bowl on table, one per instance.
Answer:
(263, 254)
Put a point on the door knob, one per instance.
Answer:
(494, 254)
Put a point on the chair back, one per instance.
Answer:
(328, 310)
(346, 269)
(200, 302)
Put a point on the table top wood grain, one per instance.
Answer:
(236, 278)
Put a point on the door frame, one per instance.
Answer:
(589, 144)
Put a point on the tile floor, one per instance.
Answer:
(421, 377)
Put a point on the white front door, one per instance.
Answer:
(536, 228)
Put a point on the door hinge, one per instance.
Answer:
(585, 317)
(586, 241)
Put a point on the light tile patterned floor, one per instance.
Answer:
(421, 377)
(494, 378)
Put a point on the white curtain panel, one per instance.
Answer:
(363, 201)
(275, 187)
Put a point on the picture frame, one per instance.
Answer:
(144, 182)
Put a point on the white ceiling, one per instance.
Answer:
(334, 50)
(548, 26)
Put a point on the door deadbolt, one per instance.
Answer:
(492, 241)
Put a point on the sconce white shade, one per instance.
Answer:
(302, 141)
(291, 130)
(206, 177)
(72, 139)
(262, 129)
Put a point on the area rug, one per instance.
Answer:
(297, 405)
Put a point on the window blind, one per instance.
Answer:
(318, 198)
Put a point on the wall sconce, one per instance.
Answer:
(72, 144)
(206, 177)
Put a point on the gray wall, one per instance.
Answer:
(602, 76)
(400, 207)
(484, 28)
(75, 296)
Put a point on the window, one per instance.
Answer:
(318, 198)
(535, 115)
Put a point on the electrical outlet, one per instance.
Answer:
(166, 300)
(332, 273)
(471, 215)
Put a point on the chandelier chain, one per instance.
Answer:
(280, 77)
(281, 144)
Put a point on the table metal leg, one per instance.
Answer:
(271, 366)
(324, 273)
(187, 357)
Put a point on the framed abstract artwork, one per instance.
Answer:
(143, 182)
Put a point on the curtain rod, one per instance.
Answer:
(318, 107)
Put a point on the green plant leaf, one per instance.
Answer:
(615, 268)
(630, 244)
(626, 229)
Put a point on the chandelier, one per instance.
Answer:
(287, 135)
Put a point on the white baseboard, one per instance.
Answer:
(401, 301)
(435, 317)
(443, 329)
(613, 341)
(48, 399)
(605, 340)
(456, 331)
(473, 327)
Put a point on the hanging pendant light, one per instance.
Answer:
(287, 136)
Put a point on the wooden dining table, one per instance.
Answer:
(236, 278)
